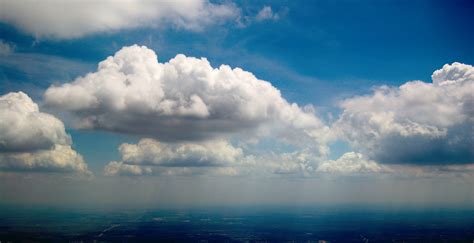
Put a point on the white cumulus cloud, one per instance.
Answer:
(182, 100)
(31, 140)
(416, 123)
(75, 18)
(24, 128)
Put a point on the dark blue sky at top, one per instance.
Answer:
(317, 52)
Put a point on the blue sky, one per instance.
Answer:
(318, 53)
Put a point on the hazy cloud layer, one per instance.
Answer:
(416, 123)
(34, 141)
(74, 18)
(181, 100)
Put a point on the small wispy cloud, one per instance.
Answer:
(266, 13)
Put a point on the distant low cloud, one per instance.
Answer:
(297, 163)
(152, 157)
(351, 163)
(152, 152)
(115, 168)
(60, 158)
(73, 18)
(417, 123)
(31, 140)
(184, 99)
(218, 157)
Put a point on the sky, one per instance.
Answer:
(203, 103)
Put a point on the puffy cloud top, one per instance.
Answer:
(34, 141)
(24, 128)
(74, 18)
(417, 123)
(456, 72)
(183, 99)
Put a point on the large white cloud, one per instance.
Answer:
(183, 99)
(31, 140)
(74, 18)
(416, 123)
